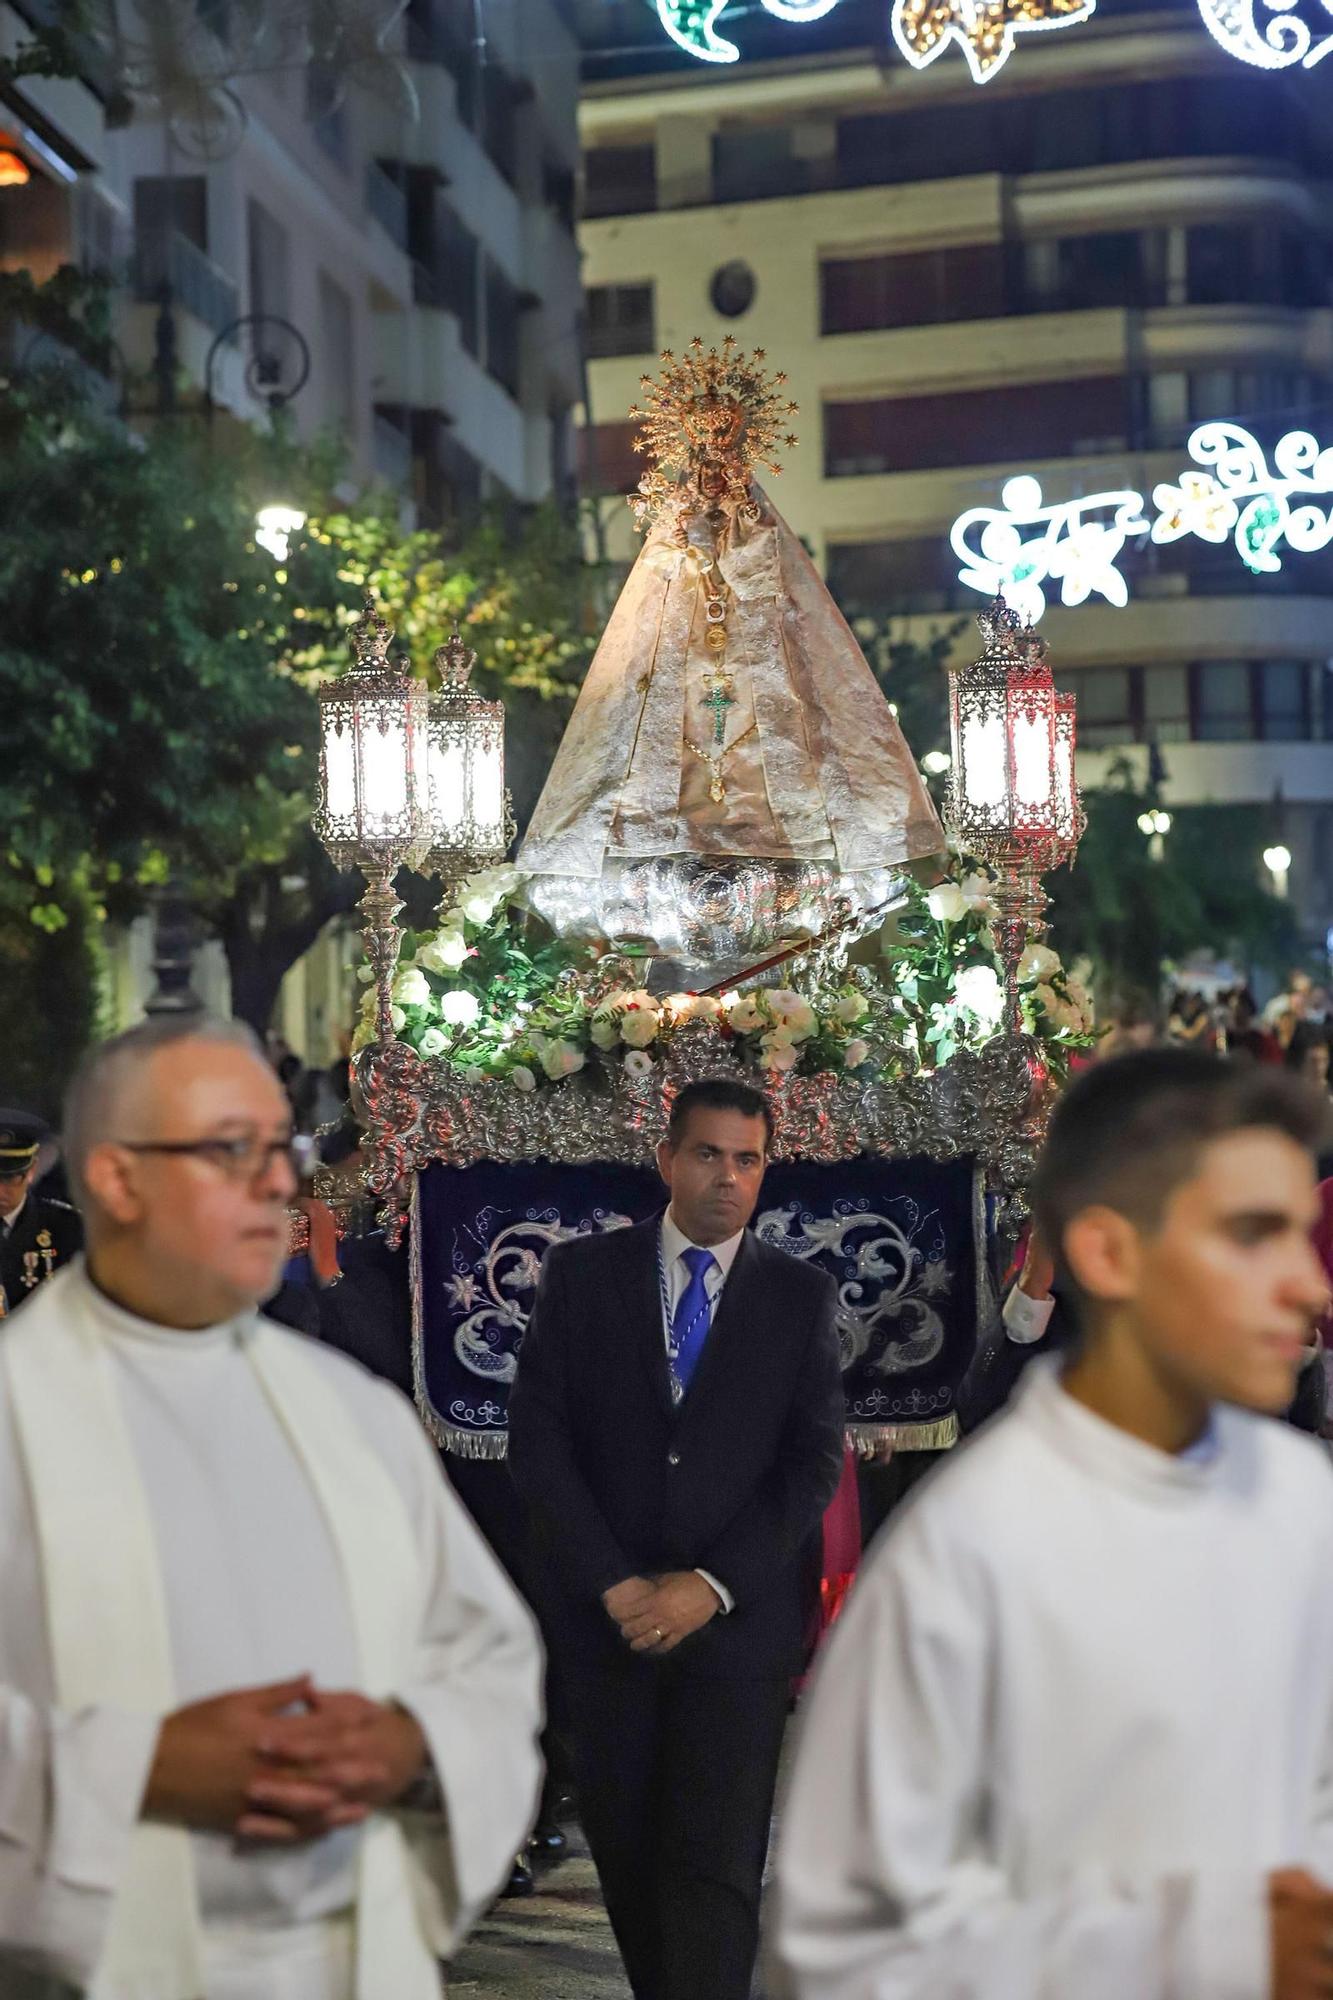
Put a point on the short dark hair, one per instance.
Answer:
(719, 1093)
(1128, 1132)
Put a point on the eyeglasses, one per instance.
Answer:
(243, 1158)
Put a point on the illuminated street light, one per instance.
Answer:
(274, 527)
(935, 763)
(1277, 860)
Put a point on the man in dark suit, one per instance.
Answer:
(676, 1427)
(37, 1235)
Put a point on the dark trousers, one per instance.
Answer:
(675, 1779)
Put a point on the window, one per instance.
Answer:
(1284, 705)
(608, 462)
(325, 109)
(267, 261)
(619, 180)
(974, 427)
(920, 288)
(1166, 704)
(1105, 705)
(731, 291)
(1078, 273)
(620, 321)
(893, 579)
(502, 338)
(757, 161)
(499, 123)
(337, 354)
(1222, 710)
(166, 204)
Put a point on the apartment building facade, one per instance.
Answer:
(391, 248)
(1123, 234)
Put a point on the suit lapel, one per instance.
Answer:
(641, 1286)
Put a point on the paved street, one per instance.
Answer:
(556, 1945)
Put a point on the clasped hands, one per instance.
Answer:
(282, 1764)
(655, 1613)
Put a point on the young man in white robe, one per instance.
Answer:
(1072, 1739)
(268, 1707)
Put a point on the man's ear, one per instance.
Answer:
(663, 1157)
(1103, 1252)
(110, 1179)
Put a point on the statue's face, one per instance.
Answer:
(712, 481)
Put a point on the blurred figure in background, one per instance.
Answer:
(38, 1234)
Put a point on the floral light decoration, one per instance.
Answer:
(482, 996)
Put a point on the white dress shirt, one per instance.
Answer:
(674, 1245)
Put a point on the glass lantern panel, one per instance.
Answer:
(1065, 786)
(384, 767)
(447, 765)
(488, 785)
(983, 759)
(1033, 757)
(340, 772)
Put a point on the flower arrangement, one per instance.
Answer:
(479, 994)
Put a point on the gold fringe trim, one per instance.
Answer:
(937, 1436)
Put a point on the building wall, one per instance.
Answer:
(331, 216)
(1060, 273)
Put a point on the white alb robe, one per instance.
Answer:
(253, 1594)
(1077, 1709)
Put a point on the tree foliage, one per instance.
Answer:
(1129, 913)
(158, 669)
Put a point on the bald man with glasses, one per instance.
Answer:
(268, 1707)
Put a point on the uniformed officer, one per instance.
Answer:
(37, 1235)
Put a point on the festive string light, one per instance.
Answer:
(1027, 543)
(983, 29)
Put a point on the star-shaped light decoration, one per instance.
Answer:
(983, 29)
(1086, 559)
(1196, 506)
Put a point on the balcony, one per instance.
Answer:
(391, 454)
(169, 264)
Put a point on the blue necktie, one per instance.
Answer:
(690, 1321)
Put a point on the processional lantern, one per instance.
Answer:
(373, 809)
(472, 817)
(1013, 798)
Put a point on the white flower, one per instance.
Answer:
(639, 1026)
(852, 1007)
(778, 1055)
(781, 1037)
(411, 988)
(744, 1016)
(444, 953)
(855, 1053)
(946, 903)
(397, 1020)
(790, 1011)
(605, 1031)
(478, 906)
(522, 1077)
(432, 1043)
(365, 973)
(1038, 962)
(693, 1007)
(637, 1063)
(978, 991)
(1056, 1010)
(460, 1008)
(561, 1059)
(976, 891)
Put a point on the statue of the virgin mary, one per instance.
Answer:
(732, 781)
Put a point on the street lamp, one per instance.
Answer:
(1013, 799)
(274, 527)
(279, 364)
(1155, 825)
(373, 809)
(1277, 860)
